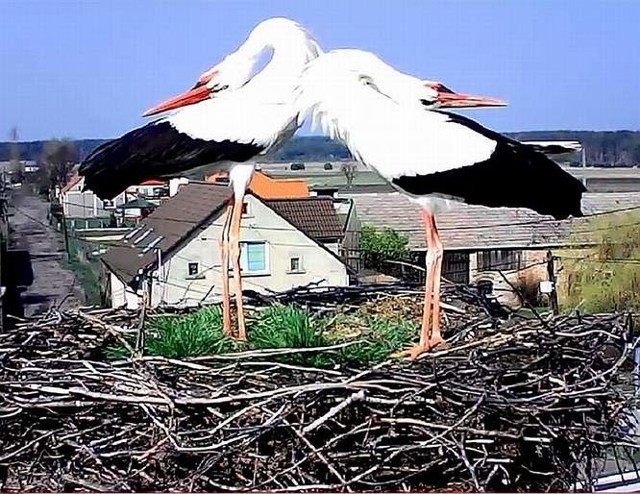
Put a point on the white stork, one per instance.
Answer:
(234, 113)
(391, 122)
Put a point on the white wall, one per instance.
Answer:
(174, 185)
(77, 204)
(283, 242)
(122, 295)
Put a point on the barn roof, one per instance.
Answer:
(467, 227)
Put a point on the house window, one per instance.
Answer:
(245, 208)
(253, 258)
(193, 269)
(295, 265)
(499, 260)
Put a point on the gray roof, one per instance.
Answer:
(315, 216)
(603, 172)
(138, 203)
(466, 227)
(174, 221)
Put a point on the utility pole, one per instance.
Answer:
(553, 294)
(140, 339)
(66, 234)
(4, 210)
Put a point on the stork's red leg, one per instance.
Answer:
(224, 263)
(436, 336)
(234, 241)
(430, 335)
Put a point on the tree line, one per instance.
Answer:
(602, 148)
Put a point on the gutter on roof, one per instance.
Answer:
(117, 274)
(489, 246)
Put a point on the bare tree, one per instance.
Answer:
(58, 159)
(15, 165)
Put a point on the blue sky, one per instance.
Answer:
(83, 69)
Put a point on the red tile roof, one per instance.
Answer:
(266, 187)
(153, 182)
(71, 184)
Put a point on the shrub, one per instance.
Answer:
(379, 246)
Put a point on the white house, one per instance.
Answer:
(84, 207)
(176, 249)
(78, 204)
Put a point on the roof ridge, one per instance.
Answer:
(310, 198)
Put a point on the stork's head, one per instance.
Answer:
(210, 83)
(447, 98)
(237, 68)
(337, 69)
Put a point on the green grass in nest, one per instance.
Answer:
(288, 326)
(280, 326)
(190, 335)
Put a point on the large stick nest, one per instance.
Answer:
(526, 406)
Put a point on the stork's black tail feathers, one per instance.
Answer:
(516, 175)
(154, 151)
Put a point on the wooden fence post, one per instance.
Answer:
(553, 295)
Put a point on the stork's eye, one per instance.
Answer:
(217, 88)
(368, 81)
(427, 102)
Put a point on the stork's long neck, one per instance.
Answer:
(290, 54)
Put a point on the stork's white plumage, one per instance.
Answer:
(231, 115)
(234, 113)
(393, 123)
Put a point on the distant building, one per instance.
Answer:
(79, 207)
(285, 243)
(270, 188)
(483, 244)
(351, 225)
(84, 209)
(151, 190)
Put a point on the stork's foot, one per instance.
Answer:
(415, 351)
(242, 332)
(226, 326)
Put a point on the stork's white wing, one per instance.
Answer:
(216, 131)
(234, 118)
(398, 140)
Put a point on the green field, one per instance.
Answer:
(334, 179)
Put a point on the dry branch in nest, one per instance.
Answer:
(526, 406)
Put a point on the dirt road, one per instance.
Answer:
(53, 284)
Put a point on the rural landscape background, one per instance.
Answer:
(117, 373)
(602, 148)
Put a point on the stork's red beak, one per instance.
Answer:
(196, 94)
(457, 100)
(450, 99)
